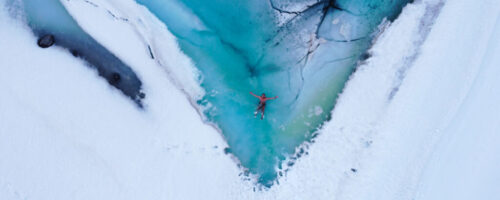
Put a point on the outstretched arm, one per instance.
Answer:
(254, 95)
(272, 98)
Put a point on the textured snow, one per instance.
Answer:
(66, 134)
(418, 120)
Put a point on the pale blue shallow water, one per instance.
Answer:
(50, 17)
(239, 47)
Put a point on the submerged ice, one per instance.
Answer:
(49, 19)
(301, 51)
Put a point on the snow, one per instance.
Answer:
(418, 120)
(468, 154)
(423, 111)
(147, 34)
(66, 134)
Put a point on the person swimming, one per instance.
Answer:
(262, 104)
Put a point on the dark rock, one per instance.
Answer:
(354, 170)
(46, 41)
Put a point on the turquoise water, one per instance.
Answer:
(239, 47)
(305, 58)
(50, 17)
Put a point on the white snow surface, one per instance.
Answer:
(66, 134)
(418, 120)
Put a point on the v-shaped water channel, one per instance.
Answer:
(300, 50)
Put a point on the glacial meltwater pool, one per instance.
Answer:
(300, 50)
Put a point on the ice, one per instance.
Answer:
(243, 47)
(417, 120)
(50, 17)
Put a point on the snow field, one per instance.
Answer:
(66, 134)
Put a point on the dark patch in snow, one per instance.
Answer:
(142, 95)
(425, 26)
(91, 3)
(227, 150)
(114, 78)
(151, 52)
(74, 52)
(368, 143)
(117, 18)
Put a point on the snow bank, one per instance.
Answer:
(66, 134)
(148, 36)
(465, 163)
(427, 103)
